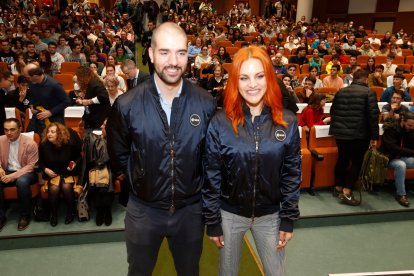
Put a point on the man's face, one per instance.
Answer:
(292, 71)
(302, 53)
(130, 73)
(77, 49)
(397, 82)
(150, 26)
(100, 41)
(396, 99)
(308, 84)
(93, 58)
(5, 46)
(409, 125)
(6, 83)
(334, 71)
(35, 38)
(169, 57)
(352, 60)
(52, 49)
(12, 131)
(31, 48)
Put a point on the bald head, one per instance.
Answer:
(167, 29)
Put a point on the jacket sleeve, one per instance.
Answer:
(64, 101)
(391, 142)
(373, 114)
(212, 186)
(118, 138)
(406, 96)
(290, 180)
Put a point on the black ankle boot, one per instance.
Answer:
(99, 217)
(69, 218)
(108, 217)
(53, 220)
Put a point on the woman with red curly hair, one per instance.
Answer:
(253, 166)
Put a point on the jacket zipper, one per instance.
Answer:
(172, 174)
(256, 139)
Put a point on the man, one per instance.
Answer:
(377, 78)
(373, 39)
(278, 65)
(56, 58)
(46, 92)
(18, 157)
(137, 17)
(366, 49)
(166, 115)
(397, 85)
(348, 79)
(31, 54)
(354, 124)
(89, 34)
(397, 143)
(76, 55)
(146, 43)
(281, 50)
(398, 71)
(47, 37)
(352, 61)
(94, 58)
(19, 98)
(389, 67)
(6, 54)
(39, 45)
(360, 33)
(116, 44)
(333, 80)
(300, 58)
(393, 109)
(101, 47)
(133, 74)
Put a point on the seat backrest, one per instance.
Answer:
(409, 60)
(380, 60)
(399, 60)
(65, 80)
(378, 90)
(227, 67)
(69, 67)
(318, 138)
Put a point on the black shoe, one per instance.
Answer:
(336, 192)
(2, 223)
(69, 218)
(349, 199)
(23, 223)
(53, 220)
(99, 218)
(108, 218)
(402, 200)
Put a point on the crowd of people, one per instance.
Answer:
(158, 124)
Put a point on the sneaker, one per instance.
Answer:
(336, 193)
(348, 199)
(402, 200)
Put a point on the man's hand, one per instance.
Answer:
(218, 241)
(2, 172)
(44, 115)
(6, 179)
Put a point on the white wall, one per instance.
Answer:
(406, 5)
(362, 6)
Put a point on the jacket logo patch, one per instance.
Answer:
(195, 120)
(280, 135)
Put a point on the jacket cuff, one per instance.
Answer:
(286, 225)
(214, 230)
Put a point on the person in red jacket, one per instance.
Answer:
(313, 113)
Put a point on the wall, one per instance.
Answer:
(367, 12)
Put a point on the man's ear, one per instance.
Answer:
(151, 54)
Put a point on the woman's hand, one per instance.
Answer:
(284, 237)
(50, 173)
(218, 241)
(327, 120)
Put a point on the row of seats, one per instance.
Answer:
(319, 158)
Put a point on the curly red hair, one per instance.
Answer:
(232, 98)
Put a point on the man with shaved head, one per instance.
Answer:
(156, 135)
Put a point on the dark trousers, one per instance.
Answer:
(145, 229)
(24, 193)
(350, 158)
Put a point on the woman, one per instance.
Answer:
(18, 65)
(383, 50)
(45, 62)
(370, 65)
(253, 166)
(60, 155)
(313, 72)
(96, 100)
(313, 113)
(121, 54)
(215, 83)
(308, 89)
(112, 61)
(111, 84)
(201, 58)
(316, 60)
(224, 56)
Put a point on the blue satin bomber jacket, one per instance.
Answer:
(254, 173)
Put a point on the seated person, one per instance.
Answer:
(398, 71)
(377, 78)
(19, 97)
(352, 61)
(389, 67)
(397, 143)
(278, 66)
(215, 84)
(287, 82)
(333, 80)
(18, 157)
(294, 81)
(393, 109)
(349, 78)
(308, 90)
(300, 58)
(313, 72)
(313, 113)
(386, 95)
(60, 155)
(334, 60)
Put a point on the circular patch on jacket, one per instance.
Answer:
(280, 135)
(195, 120)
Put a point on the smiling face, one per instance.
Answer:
(52, 134)
(252, 82)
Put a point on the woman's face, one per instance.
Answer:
(221, 51)
(314, 72)
(120, 52)
(252, 82)
(111, 60)
(112, 88)
(52, 134)
(315, 53)
(286, 81)
(217, 72)
(93, 67)
(370, 61)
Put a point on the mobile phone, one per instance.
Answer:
(71, 165)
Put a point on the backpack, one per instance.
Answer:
(374, 169)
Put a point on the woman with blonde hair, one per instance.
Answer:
(253, 166)
(59, 161)
(111, 84)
